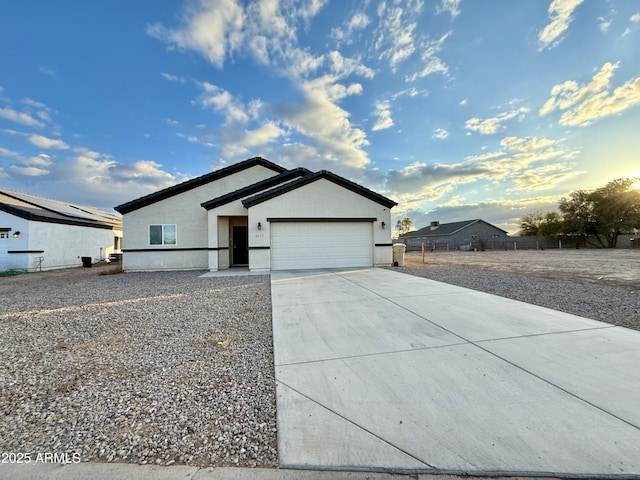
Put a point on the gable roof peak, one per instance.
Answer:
(322, 174)
(197, 182)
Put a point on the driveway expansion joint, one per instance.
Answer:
(373, 434)
(541, 428)
(374, 354)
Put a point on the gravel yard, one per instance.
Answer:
(169, 368)
(163, 368)
(598, 284)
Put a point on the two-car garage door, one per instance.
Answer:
(296, 245)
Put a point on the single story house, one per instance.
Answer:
(467, 235)
(40, 233)
(259, 215)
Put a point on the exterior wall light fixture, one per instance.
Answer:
(384, 225)
(259, 226)
(16, 234)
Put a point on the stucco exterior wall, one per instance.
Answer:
(191, 250)
(320, 199)
(60, 245)
(9, 261)
(63, 245)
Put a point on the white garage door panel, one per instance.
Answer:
(321, 245)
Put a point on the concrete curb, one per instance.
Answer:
(125, 471)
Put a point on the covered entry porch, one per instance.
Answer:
(228, 242)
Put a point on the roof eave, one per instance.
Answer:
(255, 188)
(323, 174)
(195, 183)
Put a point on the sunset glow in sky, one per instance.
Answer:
(456, 109)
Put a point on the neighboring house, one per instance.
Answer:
(469, 234)
(258, 214)
(41, 233)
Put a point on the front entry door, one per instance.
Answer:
(240, 249)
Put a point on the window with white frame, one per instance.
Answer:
(162, 234)
(4, 234)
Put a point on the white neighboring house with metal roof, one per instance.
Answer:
(42, 233)
(259, 215)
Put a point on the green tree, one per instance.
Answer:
(577, 213)
(404, 226)
(616, 209)
(603, 214)
(552, 225)
(542, 225)
(530, 224)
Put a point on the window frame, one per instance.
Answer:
(163, 235)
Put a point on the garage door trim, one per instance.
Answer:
(321, 244)
(320, 219)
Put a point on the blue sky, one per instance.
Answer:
(456, 109)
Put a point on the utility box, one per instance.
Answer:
(398, 254)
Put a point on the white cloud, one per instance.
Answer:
(221, 101)
(266, 31)
(344, 67)
(300, 64)
(95, 178)
(582, 104)
(635, 18)
(308, 9)
(212, 28)
(488, 126)
(604, 24)
(503, 213)
(359, 21)
(325, 123)
(28, 171)
(383, 112)
(20, 117)
(411, 92)
(432, 63)
(463, 102)
(560, 14)
(35, 104)
(440, 134)
(450, 6)
(237, 145)
(529, 163)
(4, 152)
(173, 78)
(37, 166)
(394, 36)
(48, 143)
(543, 178)
(266, 133)
(47, 70)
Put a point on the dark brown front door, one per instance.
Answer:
(240, 247)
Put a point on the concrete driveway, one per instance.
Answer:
(384, 371)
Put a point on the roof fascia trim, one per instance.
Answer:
(195, 183)
(323, 174)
